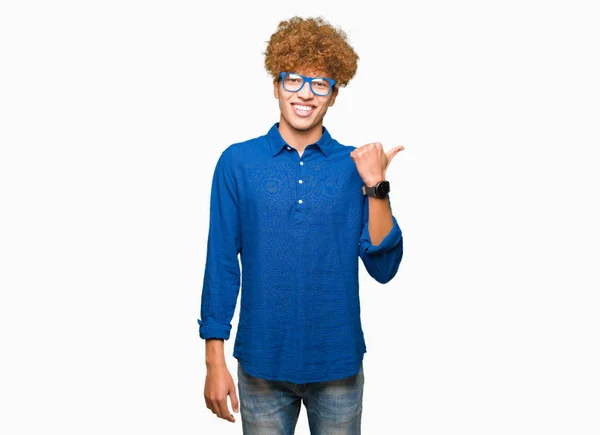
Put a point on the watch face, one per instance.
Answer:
(382, 189)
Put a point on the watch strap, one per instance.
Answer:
(369, 191)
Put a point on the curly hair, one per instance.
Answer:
(302, 44)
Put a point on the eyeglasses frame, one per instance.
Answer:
(309, 80)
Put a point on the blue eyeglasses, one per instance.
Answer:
(293, 82)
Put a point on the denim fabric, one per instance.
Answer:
(272, 407)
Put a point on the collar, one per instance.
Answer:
(325, 142)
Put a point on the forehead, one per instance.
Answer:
(311, 72)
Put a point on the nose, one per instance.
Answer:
(306, 93)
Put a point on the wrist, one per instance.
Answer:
(215, 365)
(379, 189)
(215, 353)
(372, 181)
(215, 360)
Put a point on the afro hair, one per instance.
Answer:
(301, 45)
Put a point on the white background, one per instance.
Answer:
(113, 115)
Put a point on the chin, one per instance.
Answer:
(304, 124)
(302, 127)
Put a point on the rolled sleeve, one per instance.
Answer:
(214, 329)
(222, 272)
(381, 261)
(391, 241)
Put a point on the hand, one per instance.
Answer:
(218, 385)
(372, 163)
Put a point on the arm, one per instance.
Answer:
(219, 383)
(380, 219)
(381, 243)
(221, 287)
(222, 271)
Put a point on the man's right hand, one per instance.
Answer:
(218, 385)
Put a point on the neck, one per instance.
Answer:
(299, 139)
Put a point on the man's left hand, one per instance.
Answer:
(372, 163)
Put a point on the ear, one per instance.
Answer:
(334, 94)
(276, 88)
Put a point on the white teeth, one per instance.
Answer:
(305, 108)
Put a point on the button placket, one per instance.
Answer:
(299, 215)
(299, 187)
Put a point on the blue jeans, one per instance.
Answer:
(272, 407)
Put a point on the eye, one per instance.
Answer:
(293, 78)
(321, 84)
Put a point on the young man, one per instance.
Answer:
(300, 209)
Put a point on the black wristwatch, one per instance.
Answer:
(380, 190)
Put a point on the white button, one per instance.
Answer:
(288, 148)
(300, 181)
(301, 163)
(299, 201)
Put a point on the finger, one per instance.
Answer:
(216, 408)
(364, 147)
(392, 153)
(224, 410)
(235, 404)
(212, 405)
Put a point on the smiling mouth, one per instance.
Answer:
(303, 110)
